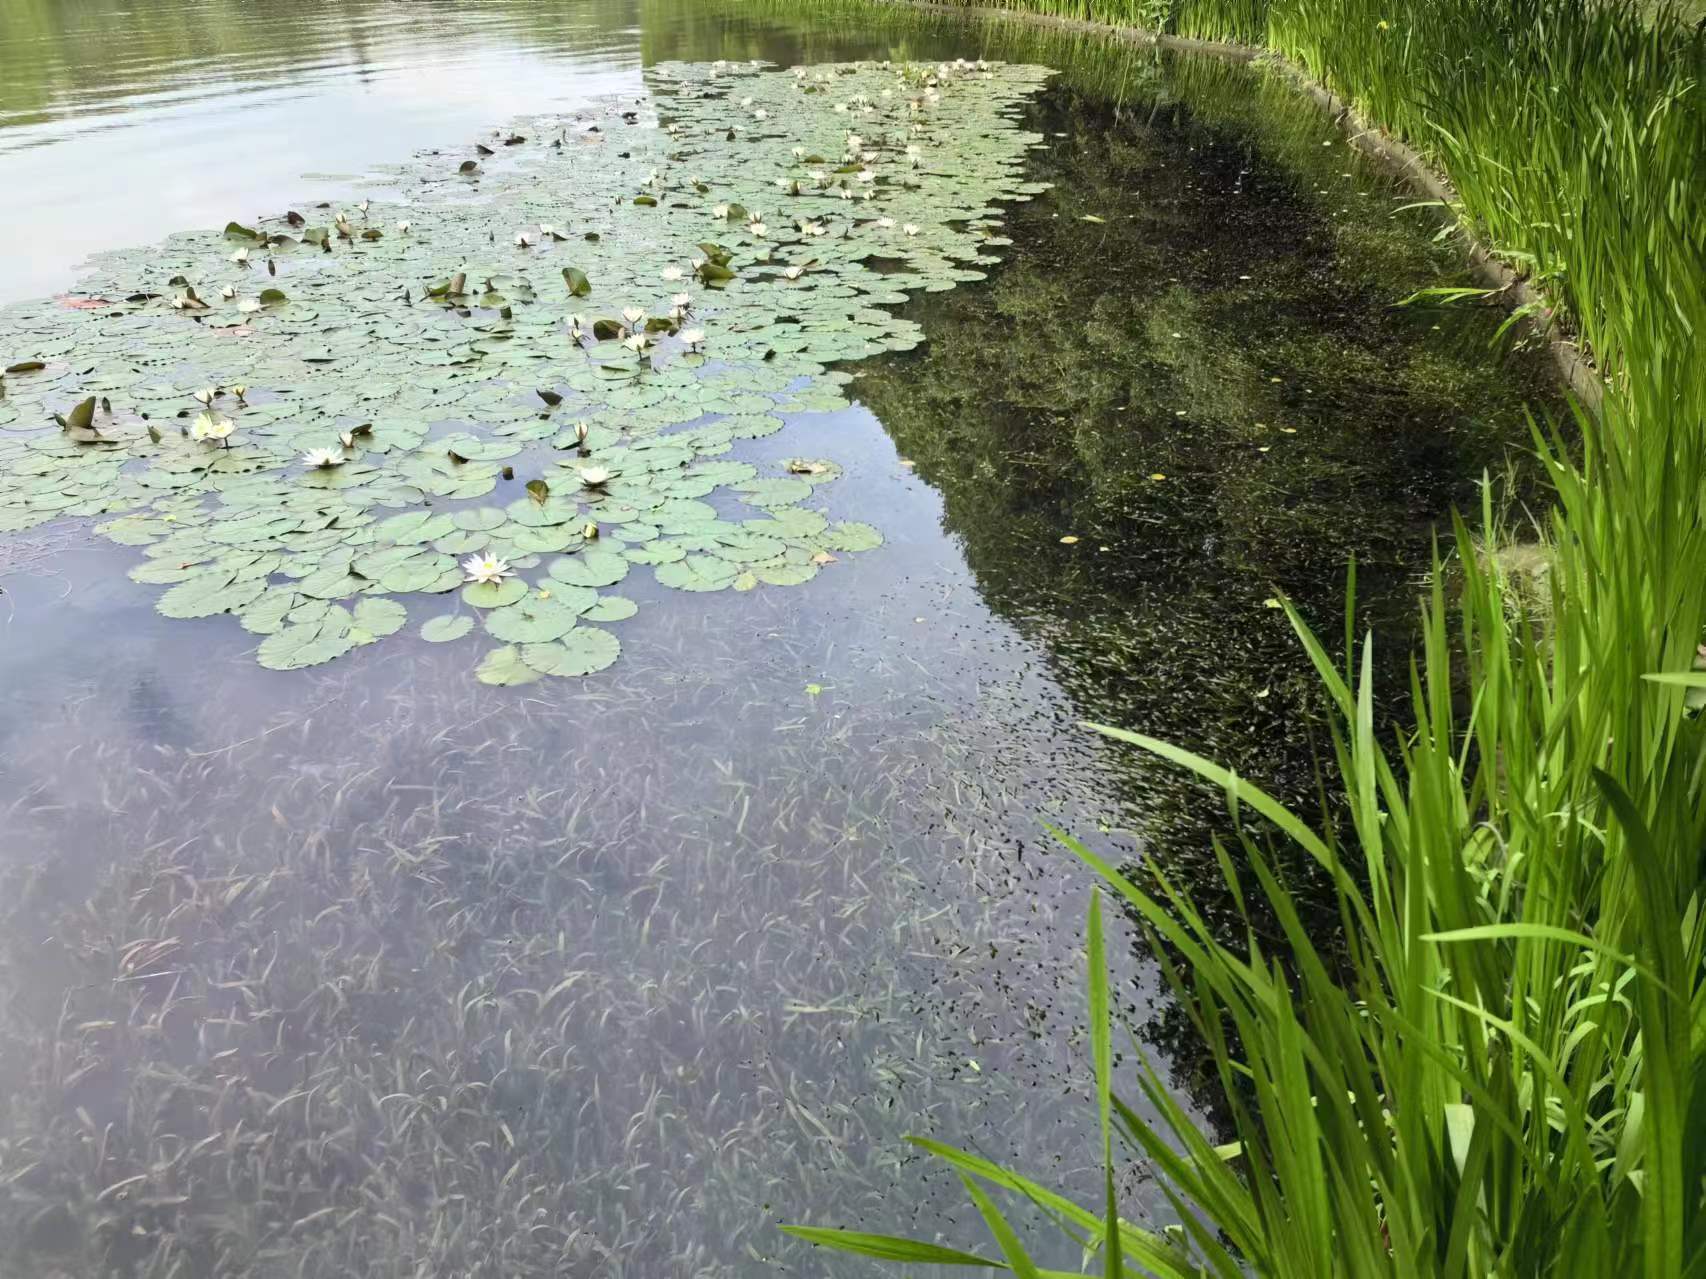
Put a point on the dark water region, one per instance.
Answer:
(373, 970)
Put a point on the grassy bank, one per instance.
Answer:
(1508, 1074)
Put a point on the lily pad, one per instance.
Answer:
(442, 630)
(494, 594)
(586, 650)
(590, 568)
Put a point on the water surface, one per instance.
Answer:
(372, 970)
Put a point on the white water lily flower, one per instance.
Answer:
(487, 568)
(228, 293)
(582, 430)
(638, 342)
(210, 426)
(239, 390)
(594, 476)
(673, 273)
(844, 194)
(799, 153)
(403, 226)
(757, 230)
(911, 228)
(577, 326)
(886, 224)
(207, 394)
(633, 316)
(720, 210)
(682, 299)
(794, 272)
(323, 459)
(363, 206)
(761, 114)
(693, 337)
(240, 257)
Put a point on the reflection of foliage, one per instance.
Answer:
(60, 55)
(1226, 327)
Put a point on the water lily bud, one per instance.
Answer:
(590, 532)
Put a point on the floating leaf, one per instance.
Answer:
(575, 278)
(590, 568)
(586, 650)
(494, 594)
(442, 630)
(503, 666)
(531, 620)
(611, 608)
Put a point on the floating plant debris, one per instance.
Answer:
(467, 354)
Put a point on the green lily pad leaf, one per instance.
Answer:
(777, 492)
(590, 568)
(267, 614)
(272, 297)
(586, 650)
(494, 594)
(852, 536)
(300, 645)
(442, 630)
(480, 519)
(533, 620)
(380, 617)
(787, 574)
(504, 667)
(209, 593)
(575, 278)
(611, 608)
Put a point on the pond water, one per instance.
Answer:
(373, 968)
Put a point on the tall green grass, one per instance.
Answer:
(1499, 1068)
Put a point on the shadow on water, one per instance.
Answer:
(376, 971)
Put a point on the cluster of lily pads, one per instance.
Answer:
(527, 381)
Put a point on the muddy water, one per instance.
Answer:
(374, 970)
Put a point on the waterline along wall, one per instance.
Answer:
(1497, 1067)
